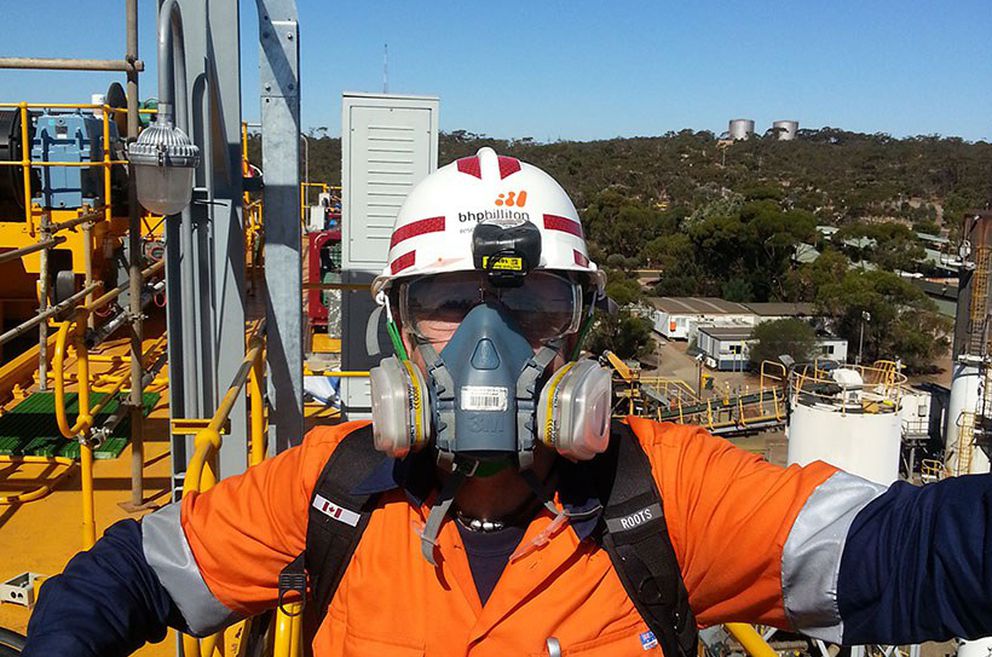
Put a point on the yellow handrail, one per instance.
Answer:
(750, 640)
(84, 420)
(43, 490)
(200, 473)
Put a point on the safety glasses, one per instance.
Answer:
(545, 307)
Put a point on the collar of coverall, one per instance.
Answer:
(416, 475)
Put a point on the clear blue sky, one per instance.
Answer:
(586, 70)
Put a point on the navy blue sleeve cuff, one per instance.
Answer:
(916, 565)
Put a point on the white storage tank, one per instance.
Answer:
(741, 129)
(976, 648)
(848, 425)
(960, 414)
(785, 130)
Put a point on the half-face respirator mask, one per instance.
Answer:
(489, 394)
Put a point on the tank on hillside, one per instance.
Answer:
(848, 417)
(741, 129)
(785, 130)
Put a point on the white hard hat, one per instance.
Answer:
(433, 230)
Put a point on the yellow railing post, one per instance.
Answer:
(257, 414)
(84, 421)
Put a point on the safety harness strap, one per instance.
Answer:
(336, 522)
(636, 538)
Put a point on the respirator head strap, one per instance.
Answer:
(460, 470)
(444, 392)
(526, 386)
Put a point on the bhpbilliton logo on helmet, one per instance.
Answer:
(516, 199)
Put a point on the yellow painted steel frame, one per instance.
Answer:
(304, 187)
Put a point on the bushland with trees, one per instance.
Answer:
(725, 219)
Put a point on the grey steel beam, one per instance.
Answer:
(221, 101)
(279, 80)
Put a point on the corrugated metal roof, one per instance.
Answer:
(699, 306)
(782, 309)
(727, 332)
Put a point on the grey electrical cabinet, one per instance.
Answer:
(388, 144)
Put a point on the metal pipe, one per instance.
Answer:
(15, 163)
(43, 285)
(135, 274)
(72, 223)
(170, 43)
(190, 298)
(26, 326)
(97, 336)
(114, 293)
(64, 64)
(88, 267)
(7, 256)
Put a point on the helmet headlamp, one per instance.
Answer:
(506, 251)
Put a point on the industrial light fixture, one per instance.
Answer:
(164, 159)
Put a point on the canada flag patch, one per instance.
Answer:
(335, 512)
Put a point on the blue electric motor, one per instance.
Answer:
(74, 137)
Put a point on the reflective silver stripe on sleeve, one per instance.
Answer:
(812, 554)
(168, 553)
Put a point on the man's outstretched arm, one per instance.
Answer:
(822, 551)
(917, 564)
(107, 603)
(196, 566)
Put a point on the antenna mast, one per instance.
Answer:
(385, 68)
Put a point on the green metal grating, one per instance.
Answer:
(30, 427)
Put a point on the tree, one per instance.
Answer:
(625, 334)
(803, 283)
(789, 336)
(904, 323)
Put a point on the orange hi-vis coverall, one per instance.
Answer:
(810, 548)
(729, 515)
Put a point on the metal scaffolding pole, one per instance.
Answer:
(135, 265)
(16, 254)
(43, 277)
(62, 64)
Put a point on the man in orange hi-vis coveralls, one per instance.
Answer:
(492, 509)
